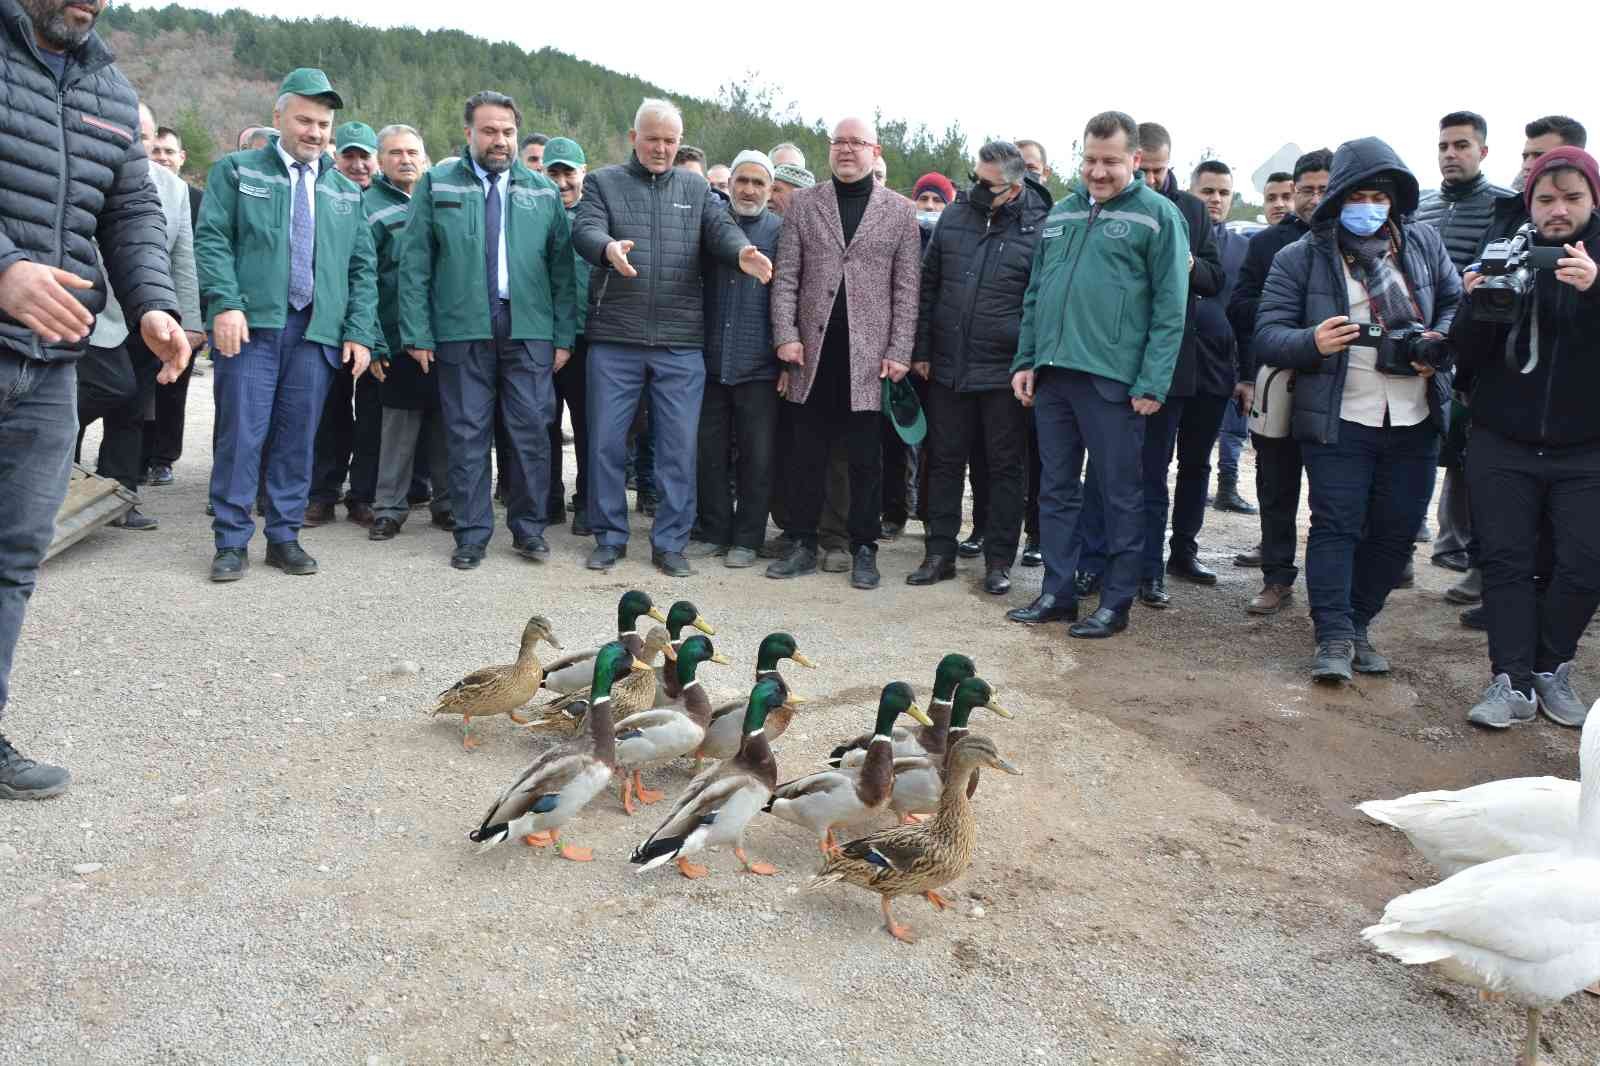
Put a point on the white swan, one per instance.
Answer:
(1526, 926)
(1457, 829)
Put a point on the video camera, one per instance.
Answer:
(1508, 266)
(1398, 348)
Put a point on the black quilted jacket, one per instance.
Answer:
(738, 318)
(671, 219)
(72, 170)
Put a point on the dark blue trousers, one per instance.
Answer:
(517, 380)
(1160, 438)
(1369, 491)
(1230, 441)
(269, 399)
(677, 381)
(38, 424)
(1076, 413)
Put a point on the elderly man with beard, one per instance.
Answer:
(69, 113)
(648, 228)
(486, 292)
(742, 382)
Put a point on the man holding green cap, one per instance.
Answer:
(565, 164)
(346, 443)
(288, 273)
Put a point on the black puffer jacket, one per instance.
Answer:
(1205, 279)
(1462, 213)
(672, 219)
(72, 171)
(1246, 295)
(1307, 286)
(974, 274)
(739, 345)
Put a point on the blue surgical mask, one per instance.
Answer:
(1363, 219)
(928, 218)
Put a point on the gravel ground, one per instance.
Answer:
(264, 857)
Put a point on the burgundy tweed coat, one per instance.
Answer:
(882, 271)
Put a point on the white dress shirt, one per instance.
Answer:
(289, 162)
(1369, 394)
(505, 188)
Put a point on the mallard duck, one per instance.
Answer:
(662, 733)
(563, 780)
(1455, 830)
(634, 693)
(1525, 926)
(717, 806)
(828, 798)
(680, 614)
(573, 674)
(496, 690)
(917, 859)
(723, 736)
(919, 779)
(927, 741)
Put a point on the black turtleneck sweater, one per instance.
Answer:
(832, 382)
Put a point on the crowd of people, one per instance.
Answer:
(746, 347)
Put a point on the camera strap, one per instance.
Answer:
(1533, 342)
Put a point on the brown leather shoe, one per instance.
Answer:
(360, 512)
(318, 514)
(1271, 599)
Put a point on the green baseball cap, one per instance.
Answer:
(309, 81)
(564, 151)
(901, 406)
(355, 135)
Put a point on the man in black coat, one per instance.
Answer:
(974, 275)
(1161, 429)
(71, 115)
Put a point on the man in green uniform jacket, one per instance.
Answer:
(1102, 321)
(565, 164)
(486, 292)
(288, 276)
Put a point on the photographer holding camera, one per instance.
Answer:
(1358, 308)
(1529, 332)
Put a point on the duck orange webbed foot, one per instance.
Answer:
(937, 900)
(900, 932)
(539, 840)
(692, 870)
(765, 869)
(644, 795)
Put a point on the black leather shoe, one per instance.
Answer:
(446, 521)
(1153, 593)
(972, 547)
(1408, 576)
(1046, 608)
(318, 513)
(291, 558)
(467, 556)
(580, 525)
(1085, 584)
(1103, 623)
(1476, 618)
(21, 778)
(160, 474)
(997, 581)
(384, 529)
(673, 564)
(1250, 559)
(533, 548)
(605, 556)
(1188, 568)
(934, 568)
(1032, 555)
(1456, 560)
(137, 521)
(864, 569)
(801, 560)
(229, 564)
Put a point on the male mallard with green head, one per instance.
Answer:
(910, 859)
(573, 674)
(919, 779)
(723, 736)
(661, 733)
(680, 614)
(929, 740)
(496, 690)
(563, 780)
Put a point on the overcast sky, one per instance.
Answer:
(1224, 78)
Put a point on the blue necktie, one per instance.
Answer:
(302, 242)
(491, 226)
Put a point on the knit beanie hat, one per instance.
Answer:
(937, 184)
(790, 174)
(750, 155)
(1564, 156)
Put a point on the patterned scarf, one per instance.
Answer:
(1373, 261)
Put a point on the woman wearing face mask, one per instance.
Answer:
(1369, 424)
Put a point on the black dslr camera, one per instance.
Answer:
(1508, 267)
(1397, 349)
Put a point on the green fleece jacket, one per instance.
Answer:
(387, 211)
(443, 291)
(241, 249)
(1109, 290)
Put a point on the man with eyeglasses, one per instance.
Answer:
(1278, 461)
(842, 323)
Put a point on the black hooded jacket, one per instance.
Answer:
(1550, 401)
(975, 271)
(1307, 286)
(1205, 279)
(73, 173)
(1242, 305)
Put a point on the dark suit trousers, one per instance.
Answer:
(1159, 440)
(477, 380)
(1278, 481)
(163, 435)
(816, 425)
(960, 424)
(748, 414)
(109, 389)
(1077, 413)
(1198, 428)
(348, 437)
(571, 390)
